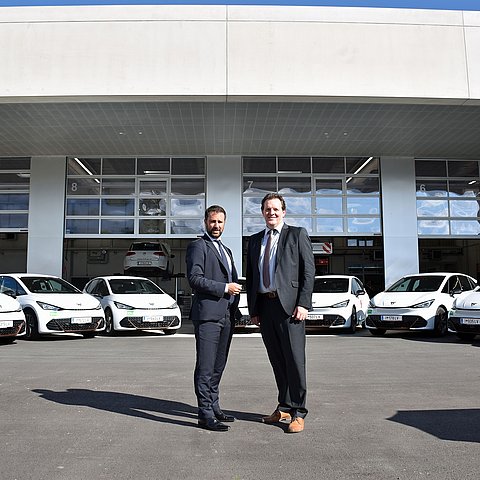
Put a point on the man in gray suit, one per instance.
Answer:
(212, 275)
(280, 277)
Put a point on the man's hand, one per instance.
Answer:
(255, 320)
(234, 288)
(300, 313)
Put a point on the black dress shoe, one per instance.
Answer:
(223, 417)
(213, 424)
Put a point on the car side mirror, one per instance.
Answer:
(360, 292)
(172, 255)
(10, 293)
(456, 291)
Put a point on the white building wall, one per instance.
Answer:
(399, 212)
(224, 187)
(162, 52)
(46, 215)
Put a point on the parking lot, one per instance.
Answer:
(402, 406)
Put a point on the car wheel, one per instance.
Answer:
(465, 335)
(353, 321)
(169, 332)
(377, 332)
(109, 327)
(441, 326)
(31, 325)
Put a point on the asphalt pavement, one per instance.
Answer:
(397, 407)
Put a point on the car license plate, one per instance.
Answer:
(143, 262)
(6, 324)
(391, 318)
(315, 316)
(470, 321)
(81, 320)
(153, 318)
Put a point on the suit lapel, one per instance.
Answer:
(210, 245)
(282, 241)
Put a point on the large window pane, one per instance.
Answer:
(118, 166)
(430, 168)
(187, 226)
(431, 188)
(301, 222)
(116, 186)
(363, 225)
(152, 187)
(465, 227)
(81, 226)
(252, 205)
(188, 186)
(433, 227)
(153, 166)
(118, 207)
(152, 226)
(365, 185)
(84, 166)
(120, 227)
(326, 186)
(289, 185)
(330, 225)
(253, 225)
(364, 165)
(259, 185)
(14, 181)
(83, 186)
(432, 208)
(294, 164)
(152, 207)
(83, 206)
(329, 206)
(328, 164)
(188, 166)
(186, 207)
(13, 220)
(463, 208)
(15, 163)
(14, 201)
(299, 205)
(463, 168)
(463, 188)
(363, 206)
(260, 165)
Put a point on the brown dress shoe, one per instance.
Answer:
(276, 417)
(296, 425)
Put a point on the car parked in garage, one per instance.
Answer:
(417, 302)
(12, 318)
(53, 306)
(149, 259)
(135, 303)
(464, 316)
(339, 302)
(242, 317)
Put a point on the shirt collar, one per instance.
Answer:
(278, 228)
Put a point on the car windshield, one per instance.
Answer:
(330, 285)
(145, 246)
(48, 285)
(134, 286)
(417, 284)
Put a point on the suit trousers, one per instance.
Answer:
(284, 340)
(212, 345)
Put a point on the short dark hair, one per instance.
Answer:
(273, 196)
(214, 209)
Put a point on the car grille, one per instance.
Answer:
(326, 321)
(18, 327)
(137, 322)
(65, 325)
(407, 322)
(454, 324)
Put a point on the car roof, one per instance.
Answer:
(120, 277)
(17, 275)
(334, 276)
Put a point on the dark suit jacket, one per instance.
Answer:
(294, 269)
(207, 275)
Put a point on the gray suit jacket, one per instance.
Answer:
(207, 275)
(294, 269)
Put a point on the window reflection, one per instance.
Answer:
(118, 207)
(84, 166)
(187, 227)
(432, 208)
(463, 188)
(118, 227)
(116, 186)
(463, 208)
(118, 166)
(328, 206)
(14, 201)
(82, 226)
(152, 207)
(298, 205)
(292, 185)
(153, 187)
(432, 227)
(152, 226)
(13, 220)
(83, 186)
(431, 188)
(252, 205)
(301, 222)
(188, 186)
(363, 206)
(83, 206)
(253, 225)
(260, 185)
(465, 227)
(365, 185)
(325, 186)
(363, 225)
(181, 207)
(330, 225)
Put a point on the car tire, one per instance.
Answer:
(353, 321)
(31, 325)
(465, 335)
(377, 332)
(109, 326)
(440, 328)
(169, 332)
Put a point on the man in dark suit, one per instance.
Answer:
(212, 275)
(280, 277)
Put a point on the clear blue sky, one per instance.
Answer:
(428, 4)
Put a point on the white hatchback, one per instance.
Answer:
(149, 259)
(52, 305)
(135, 303)
(464, 316)
(339, 302)
(12, 319)
(417, 302)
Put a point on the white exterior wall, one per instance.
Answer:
(224, 187)
(399, 212)
(46, 215)
(239, 52)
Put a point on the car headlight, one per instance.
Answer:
(99, 306)
(425, 304)
(173, 305)
(47, 306)
(341, 304)
(454, 305)
(123, 306)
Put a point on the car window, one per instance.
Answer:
(356, 285)
(145, 246)
(9, 284)
(417, 284)
(90, 288)
(465, 282)
(102, 288)
(48, 285)
(133, 286)
(330, 285)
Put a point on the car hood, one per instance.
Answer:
(402, 299)
(67, 301)
(470, 301)
(143, 300)
(328, 299)
(8, 304)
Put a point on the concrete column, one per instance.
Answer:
(46, 215)
(224, 187)
(400, 238)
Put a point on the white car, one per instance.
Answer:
(464, 317)
(339, 302)
(417, 302)
(149, 258)
(52, 305)
(135, 303)
(242, 318)
(12, 318)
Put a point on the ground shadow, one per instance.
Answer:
(158, 410)
(460, 425)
